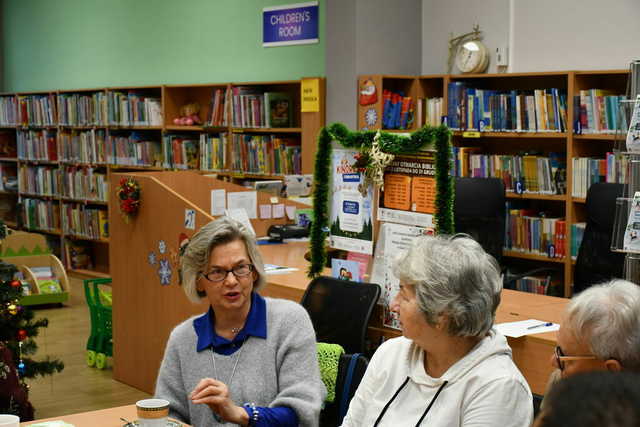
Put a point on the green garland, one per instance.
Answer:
(439, 136)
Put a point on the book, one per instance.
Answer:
(50, 286)
(345, 270)
(103, 221)
(279, 107)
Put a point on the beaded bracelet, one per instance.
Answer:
(255, 414)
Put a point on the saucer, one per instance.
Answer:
(135, 423)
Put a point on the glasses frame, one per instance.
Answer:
(561, 358)
(238, 277)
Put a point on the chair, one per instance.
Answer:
(340, 311)
(351, 369)
(596, 263)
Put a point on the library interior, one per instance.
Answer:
(326, 213)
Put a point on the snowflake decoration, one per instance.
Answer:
(152, 258)
(164, 272)
(162, 246)
(371, 117)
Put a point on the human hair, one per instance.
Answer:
(593, 399)
(196, 255)
(607, 318)
(453, 276)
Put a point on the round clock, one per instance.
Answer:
(472, 57)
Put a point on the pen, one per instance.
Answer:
(541, 324)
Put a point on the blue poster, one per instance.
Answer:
(290, 24)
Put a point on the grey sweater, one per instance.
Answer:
(279, 371)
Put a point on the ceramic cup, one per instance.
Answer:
(152, 412)
(9, 420)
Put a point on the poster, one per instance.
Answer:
(351, 217)
(409, 190)
(393, 240)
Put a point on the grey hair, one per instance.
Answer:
(607, 317)
(196, 255)
(453, 277)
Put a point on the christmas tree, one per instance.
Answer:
(17, 332)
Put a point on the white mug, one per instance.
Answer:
(152, 412)
(7, 420)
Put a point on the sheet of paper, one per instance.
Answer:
(278, 211)
(265, 211)
(240, 215)
(218, 202)
(291, 212)
(247, 200)
(278, 269)
(525, 327)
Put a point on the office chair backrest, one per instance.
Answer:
(340, 311)
(596, 263)
(479, 211)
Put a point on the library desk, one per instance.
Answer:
(102, 418)
(531, 353)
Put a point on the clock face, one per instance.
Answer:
(472, 57)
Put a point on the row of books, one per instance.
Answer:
(577, 233)
(37, 145)
(397, 110)
(429, 112)
(8, 111)
(538, 285)
(589, 170)
(88, 146)
(84, 183)
(38, 110)
(538, 110)
(254, 108)
(134, 149)
(41, 214)
(133, 109)
(219, 108)
(596, 110)
(40, 180)
(529, 232)
(213, 152)
(79, 220)
(180, 151)
(266, 154)
(520, 173)
(81, 109)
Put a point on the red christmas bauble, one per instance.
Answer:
(22, 335)
(15, 283)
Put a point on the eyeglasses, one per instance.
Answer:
(219, 274)
(561, 358)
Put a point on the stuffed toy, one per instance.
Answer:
(188, 115)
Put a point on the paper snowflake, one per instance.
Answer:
(371, 117)
(162, 246)
(164, 272)
(152, 258)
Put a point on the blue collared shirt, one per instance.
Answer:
(255, 326)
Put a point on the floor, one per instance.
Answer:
(78, 388)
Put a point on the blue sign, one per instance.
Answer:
(350, 207)
(290, 24)
(351, 177)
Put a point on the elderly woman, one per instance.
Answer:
(248, 360)
(450, 368)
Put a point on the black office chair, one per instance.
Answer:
(340, 311)
(596, 263)
(351, 369)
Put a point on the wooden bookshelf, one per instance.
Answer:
(566, 142)
(78, 114)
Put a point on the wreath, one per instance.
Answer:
(376, 151)
(129, 195)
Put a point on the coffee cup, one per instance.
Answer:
(7, 420)
(152, 412)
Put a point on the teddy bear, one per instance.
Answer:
(188, 115)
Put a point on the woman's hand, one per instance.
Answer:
(215, 394)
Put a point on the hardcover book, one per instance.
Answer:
(279, 109)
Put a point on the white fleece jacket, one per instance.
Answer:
(482, 389)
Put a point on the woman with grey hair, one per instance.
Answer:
(248, 360)
(450, 368)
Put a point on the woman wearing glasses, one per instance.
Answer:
(248, 360)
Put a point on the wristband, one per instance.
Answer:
(254, 413)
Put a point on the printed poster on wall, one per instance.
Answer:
(393, 240)
(351, 217)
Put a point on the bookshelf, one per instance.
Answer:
(580, 95)
(58, 150)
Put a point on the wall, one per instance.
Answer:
(368, 37)
(67, 44)
(543, 35)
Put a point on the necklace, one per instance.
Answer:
(228, 383)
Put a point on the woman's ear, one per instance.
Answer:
(613, 365)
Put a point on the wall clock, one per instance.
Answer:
(472, 57)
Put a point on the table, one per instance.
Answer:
(531, 353)
(101, 418)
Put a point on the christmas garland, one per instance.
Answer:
(388, 143)
(128, 192)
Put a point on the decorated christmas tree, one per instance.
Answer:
(17, 332)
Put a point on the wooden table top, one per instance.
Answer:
(102, 418)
